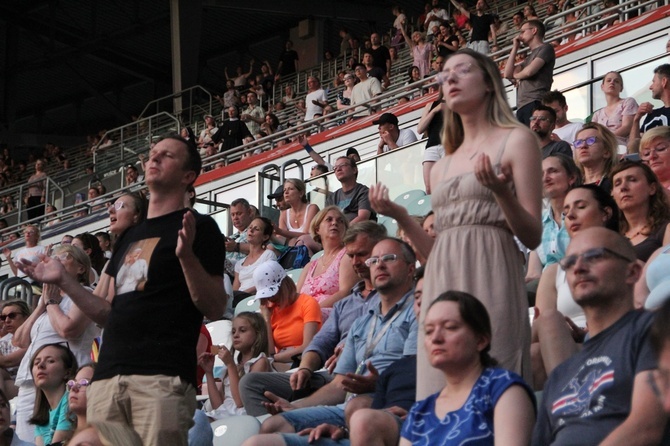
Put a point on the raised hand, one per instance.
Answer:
(206, 361)
(488, 178)
(381, 203)
(186, 236)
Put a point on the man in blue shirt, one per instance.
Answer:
(328, 343)
(385, 334)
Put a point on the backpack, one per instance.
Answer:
(295, 257)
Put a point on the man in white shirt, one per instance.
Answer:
(315, 100)
(565, 130)
(367, 88)
(435, 17)
(390, 136)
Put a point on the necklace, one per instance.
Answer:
(631, 237)
(327, 260)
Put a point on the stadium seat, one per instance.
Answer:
(220, 331)
(248, 304)
(390, 224)
(409, 197)
(421, 206)
(317, 255)
(233, 431)
(294, 274)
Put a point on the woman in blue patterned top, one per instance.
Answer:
(481, 403)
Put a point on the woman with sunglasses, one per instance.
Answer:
(56, 319)
(560, 324)
(654, 151)
(77, 396)
(13, 314)
(643, 207)
(485, 191)
(596, 154)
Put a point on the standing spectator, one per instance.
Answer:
(367, 88)
(233, 131)
(253, 115)
(344, 96)
(565, 130)
(390, 136)
(543, 123)
(381, 57)
(535, 74)
(289, 94)
(208, 132)
(344, 44)
(37, 190)
(447, 42)
(431, 123)
(231, 97)
(288, 61)
(421, 51)
(398, 24)
(473, 200)
(660, 90)
(435, 17)
(30, 252)
(315, 100)
(619, 113)
(240, 79)
(368, 61)
(482, 25)
(184, 252)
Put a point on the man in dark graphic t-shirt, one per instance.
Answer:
(352, 197)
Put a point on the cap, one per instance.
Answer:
(267, 279)
(279, 193)
(352, 151)
(386, 118)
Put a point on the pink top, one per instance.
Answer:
(421, 58)
(625, 107)
(325, 285)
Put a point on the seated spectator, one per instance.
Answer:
(596, 154)
(291, 319)
(543, 122)
(365, 89)
(31, 251)
(315, 100)
(105, 241)
(6, 431)
(644, 215)
(618, 114)
(296, 220)
(330, 277)
(601, 394)
(326, 346)
(271, 124)
(352, 197)
(90, 245)
(14, 314)
(93, 195)
(529, 13)
(483, 401)
(390, 136)
(653, 117)
(108, 433)
(52, 366)
(413, 75)
(550, 22)
(51, 215)
(654, 151)
(358, 366)
(77, 388)
(237, 246)
(258, 233)
(250, 342)
(554, 340)
(564, 129)
(132, 175)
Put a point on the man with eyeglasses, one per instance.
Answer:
(601, 394)
(534, 76)
(382, 335)
(543, 123)
(326, 346)
(352, 197)
(367, 88)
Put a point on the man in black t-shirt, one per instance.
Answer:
(288, 61)
(655, 117)
(352, 197)
(147, 369)
(481, 24)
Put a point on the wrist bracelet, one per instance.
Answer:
(308, 149)
(309, 370)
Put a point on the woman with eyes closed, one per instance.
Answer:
(596, 154)
(560, 323)
(619, 112)
(294, 222)
(654, 151)
(643, 207)
(485, 190)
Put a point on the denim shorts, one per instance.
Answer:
(313, 416)
(301, 440)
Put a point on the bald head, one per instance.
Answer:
(603, 237)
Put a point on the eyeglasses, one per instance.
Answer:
(579, 143)
(62, 257)
(659, 149)
(460, 70)
(539, 118)
(119, 205)
(386, 258)
(11, 316)
(337, 167)
(590, 257)
(74, 385)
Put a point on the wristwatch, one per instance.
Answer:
(52, 302)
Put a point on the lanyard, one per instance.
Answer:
(370, 344)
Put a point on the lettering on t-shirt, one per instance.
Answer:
(582, 395)
(134, 273)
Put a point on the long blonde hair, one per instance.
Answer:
(498, 112)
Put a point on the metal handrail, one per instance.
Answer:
(178, 94)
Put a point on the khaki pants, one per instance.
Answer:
(160, 408)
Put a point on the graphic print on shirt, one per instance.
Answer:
(134, 272)
(582, 395)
